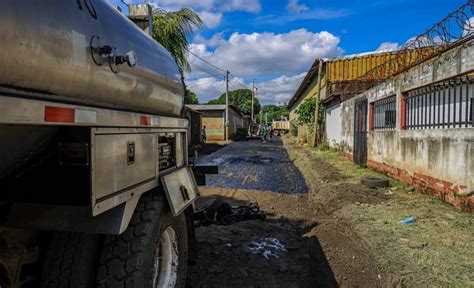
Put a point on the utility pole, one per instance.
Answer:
(150, 20)
(253, 96)
(266, 117)
(318, 97)
(227, 105)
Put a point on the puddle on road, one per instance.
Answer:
(253, 160)
(252, 166)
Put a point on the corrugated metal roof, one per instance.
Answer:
(202, 107)
(349, 69)
(213, 107)
(356, 68)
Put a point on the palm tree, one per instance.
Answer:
(172, 30)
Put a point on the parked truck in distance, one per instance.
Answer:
(280, 127)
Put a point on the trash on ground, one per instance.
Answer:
(450, 216)
(408, 220)
(268, 247)
(416, 244)
(375, 182)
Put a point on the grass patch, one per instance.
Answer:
(447, 259)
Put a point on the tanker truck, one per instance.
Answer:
(96, 189)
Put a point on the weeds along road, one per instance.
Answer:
(284, 250)
(325, 229)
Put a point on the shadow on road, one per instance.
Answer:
(233, 256)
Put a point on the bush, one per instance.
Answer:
(293, 129)
(306, 113)
(240, 134)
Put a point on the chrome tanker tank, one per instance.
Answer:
(77, 51)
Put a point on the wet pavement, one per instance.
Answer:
(257, 166)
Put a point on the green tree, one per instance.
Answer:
(242, 98)
(172, 30)
(273, 112)
(215, 102)
(190, 98)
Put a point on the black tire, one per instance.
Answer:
(127, 259)
(70, 261)
(375, 182)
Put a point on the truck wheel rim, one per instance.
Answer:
(165, 268)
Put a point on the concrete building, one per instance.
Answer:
(418, 126)
(194, 129)
(213, 117)
(340, 80)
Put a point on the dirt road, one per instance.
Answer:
(298, 246)
(254, 165)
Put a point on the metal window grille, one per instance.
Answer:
(443, 105)
(471, 118)
(385, 113)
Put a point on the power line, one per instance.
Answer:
(200, 68)
(238, 82)
(205, 61)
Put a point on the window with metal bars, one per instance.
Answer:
(448, 104)
(384, 114)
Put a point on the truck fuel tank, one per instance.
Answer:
(86, 52)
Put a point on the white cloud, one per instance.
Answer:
(279, 90)
(211, 19)
(252, 6)
(212, 42)
(240, 5)
(295, 7)
(261, 56)
(468, 27)
(388, 46)
(318, 14)
(268, 53)
(207, 88)
(276, 91)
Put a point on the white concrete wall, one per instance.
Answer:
(334, 125)
(446, 154)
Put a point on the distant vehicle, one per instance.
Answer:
(280, 127)
(254, 131)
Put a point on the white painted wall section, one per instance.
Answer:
(334, 125)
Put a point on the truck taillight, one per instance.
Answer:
(69, 115)
(59, 114)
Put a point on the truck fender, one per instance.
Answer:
(66, 218)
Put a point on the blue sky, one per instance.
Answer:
(275, 41)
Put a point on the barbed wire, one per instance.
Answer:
(454, 29)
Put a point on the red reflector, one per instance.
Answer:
(58, 114)
(144, 120)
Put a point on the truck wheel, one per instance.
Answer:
(151, 253)
(70, 261)
(276, 133)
